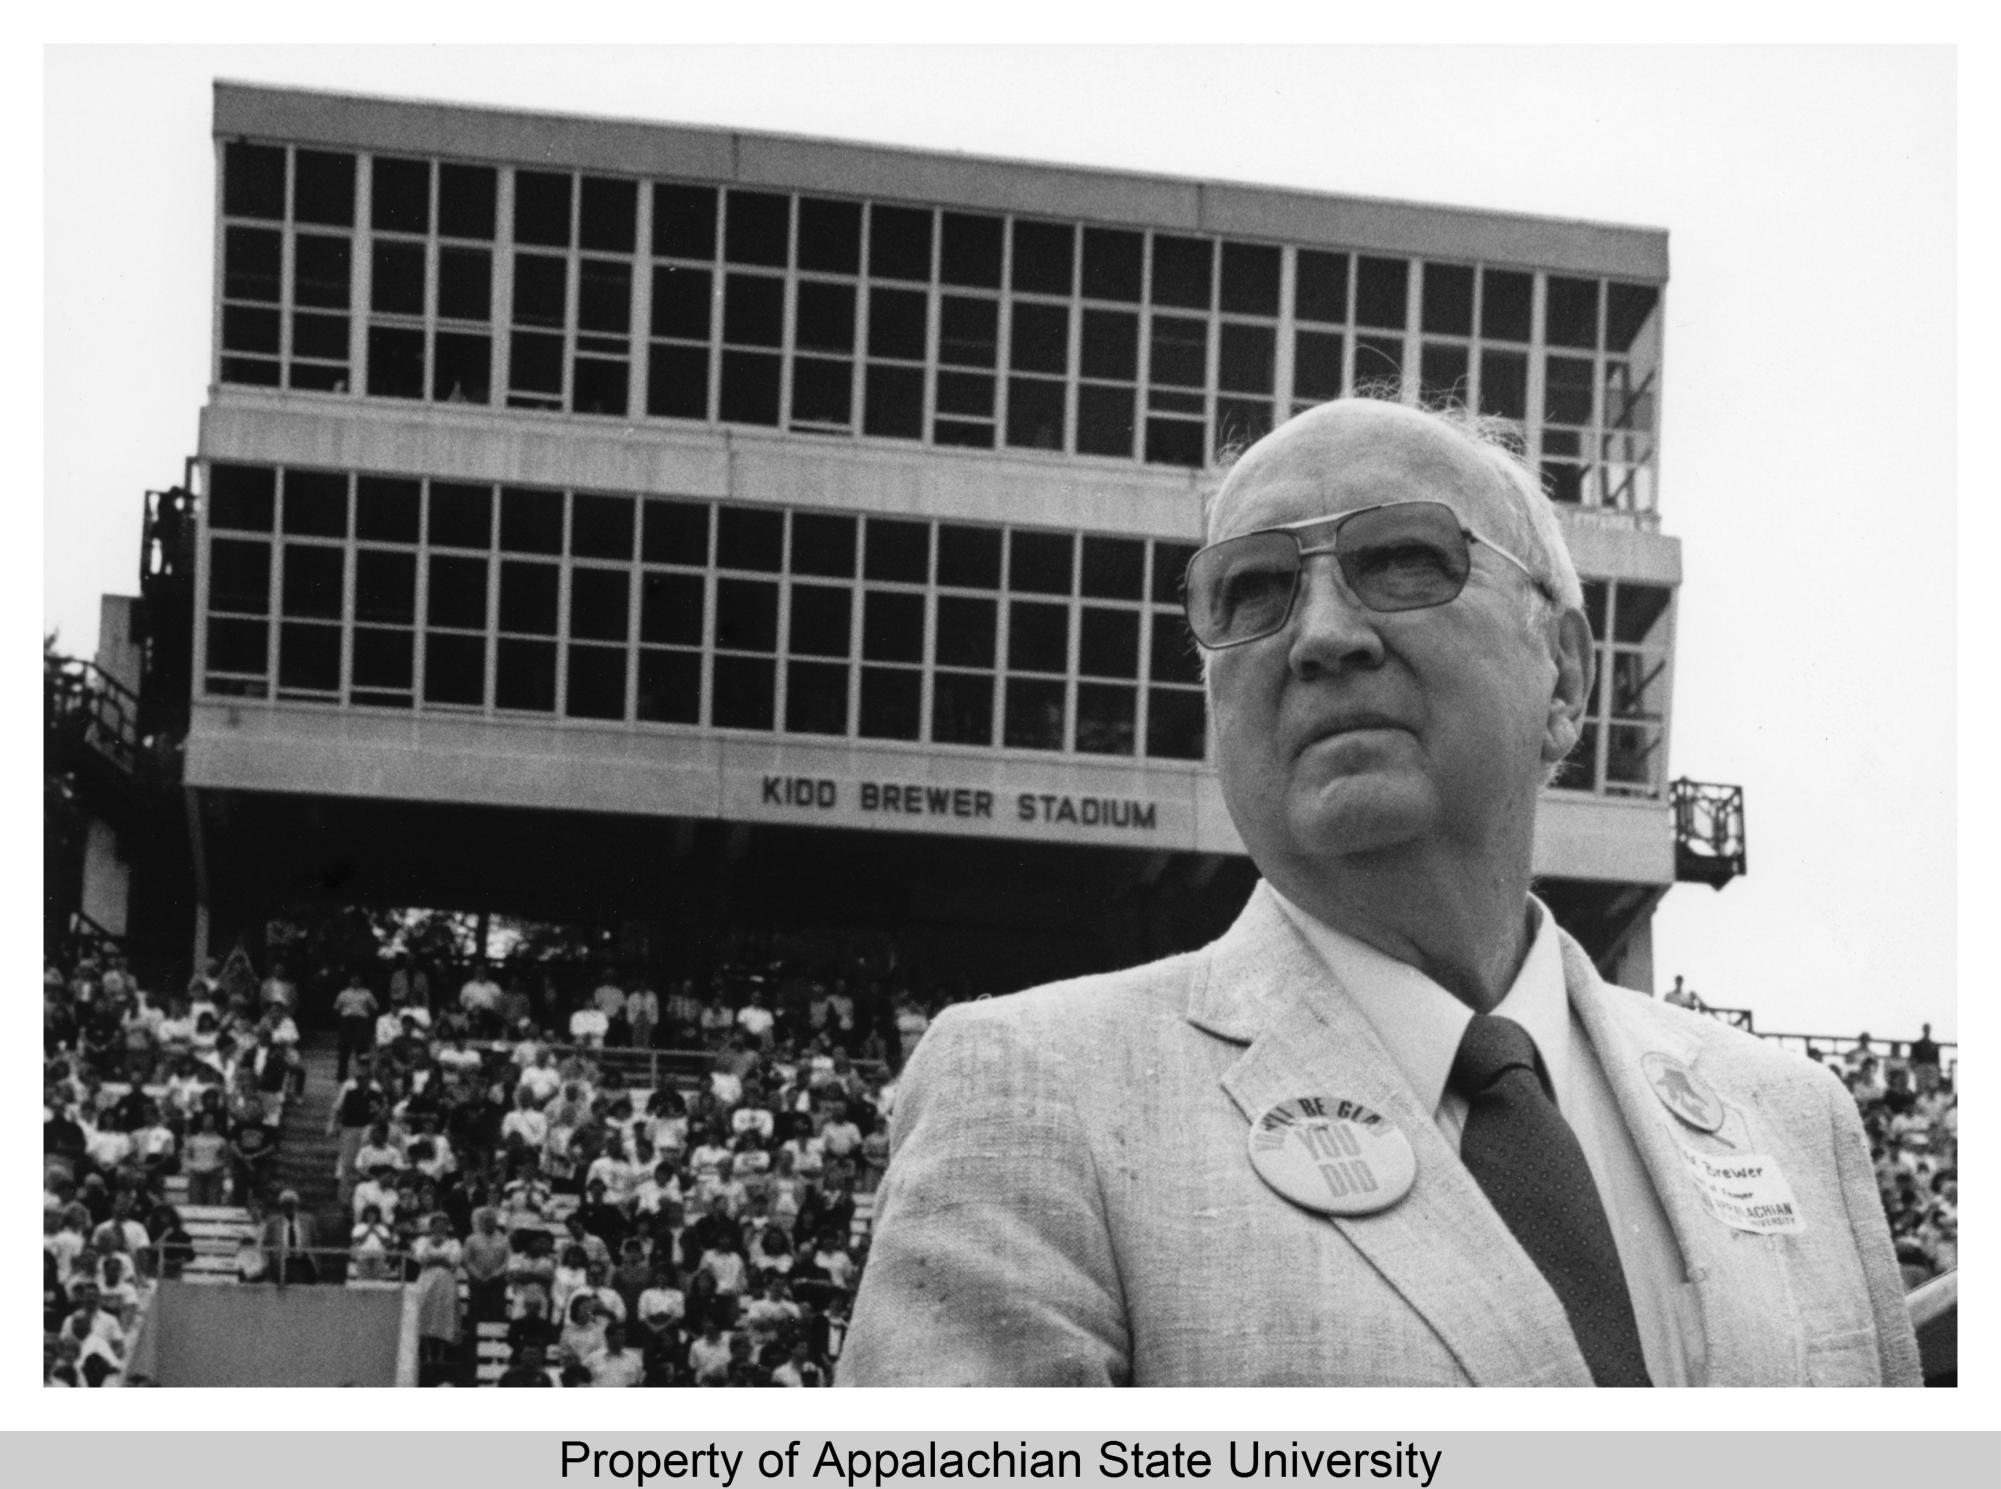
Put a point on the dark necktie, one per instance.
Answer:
(1529, 1163)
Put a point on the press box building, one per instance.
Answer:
(714, 528)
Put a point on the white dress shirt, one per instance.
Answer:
(1421, 1025)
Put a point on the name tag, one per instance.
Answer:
(1746, 1191)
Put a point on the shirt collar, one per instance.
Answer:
(1421, 1024)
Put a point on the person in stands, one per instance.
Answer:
(438, 1255)
(355, 1011)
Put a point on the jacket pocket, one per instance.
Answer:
(1846, 1359)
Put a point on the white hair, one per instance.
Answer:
(1528, 525)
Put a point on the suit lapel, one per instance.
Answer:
(1750, 1321)
(1442, 1247)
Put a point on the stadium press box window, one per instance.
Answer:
(396, 592)
(571, 294)
(431, 280)
(287, 268)
(1621, 750)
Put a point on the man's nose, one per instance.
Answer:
(1331, 629)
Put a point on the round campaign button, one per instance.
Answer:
(1332, 1155)
(1683, 1092)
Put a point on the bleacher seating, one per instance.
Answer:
(219, 1233)
(761, 1037)
(491, 1347)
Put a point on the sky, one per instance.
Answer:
(1808, 423)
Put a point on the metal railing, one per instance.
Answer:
(1838, 1045)
(281, 1266)
(1736, 1018)
(1708, 832)
(166, 542)
(1934, 1307)
(645, 1068)
(88, 938)
(81, 697)
(1835, 1045)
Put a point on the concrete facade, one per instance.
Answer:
(252, 735)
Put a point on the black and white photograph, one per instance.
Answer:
(1205, 716)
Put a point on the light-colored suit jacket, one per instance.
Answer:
(274, 1231)
(1071, 1200)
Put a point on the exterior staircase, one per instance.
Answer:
(306, 1155)
(217, 1231)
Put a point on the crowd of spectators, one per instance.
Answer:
(510, 1147)
(504, 1145)
(1911, 1111)
(137, 1087)
(632, 1187)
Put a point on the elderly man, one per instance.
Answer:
(290, 1234)
(1391, 1129)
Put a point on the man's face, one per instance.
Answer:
(1352, 731)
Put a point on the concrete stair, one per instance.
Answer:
(489, 1353)
(307, 1156)
(217, 1231)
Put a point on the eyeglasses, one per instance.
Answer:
(1397, 556)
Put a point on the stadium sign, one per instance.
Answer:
(1175, 807)
(999, 807)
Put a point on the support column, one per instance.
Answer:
(1636, 957)
(107, 877)
(198, 865)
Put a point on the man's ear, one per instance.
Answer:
(1570, 695)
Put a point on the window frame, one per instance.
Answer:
(1619, 464)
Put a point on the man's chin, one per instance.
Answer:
(1358, 815)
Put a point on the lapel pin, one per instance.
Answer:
(1683, 1093)
(1332, 1156)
